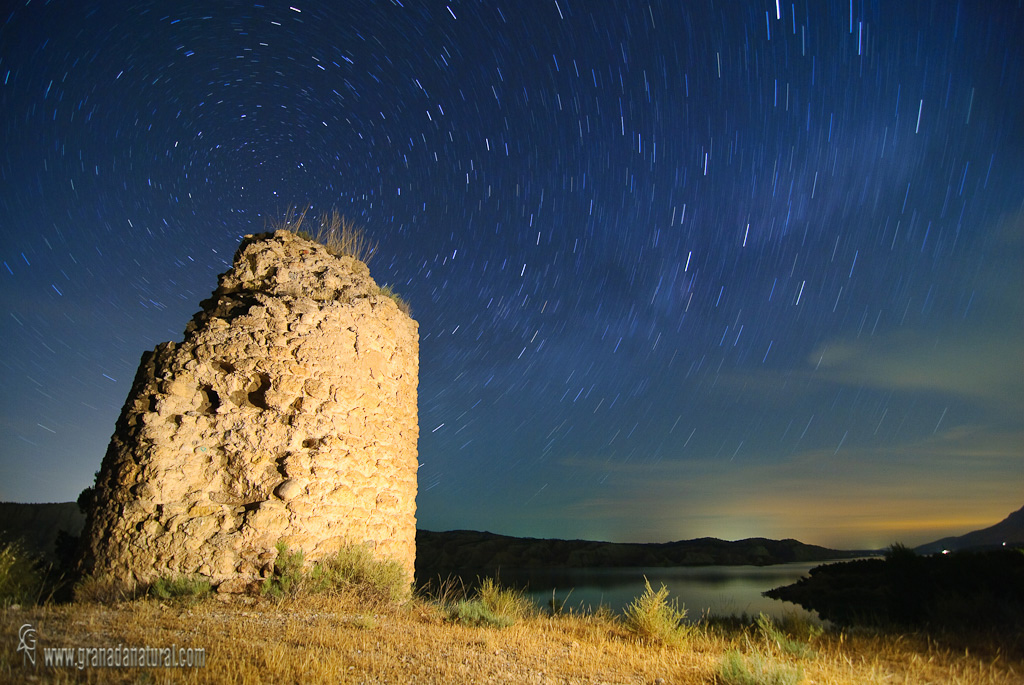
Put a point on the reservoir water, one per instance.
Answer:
(702, 590)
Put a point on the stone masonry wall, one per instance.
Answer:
(287, 414)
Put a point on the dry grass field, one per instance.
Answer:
(351, 619)
(340, 637)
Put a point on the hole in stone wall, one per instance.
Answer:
(226, 367)
(258, 397)
(211, 400)
(309, 442)
(281, 469)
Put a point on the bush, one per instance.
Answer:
(654, 619)
(493, 605)
(352, 567)
(474, 612)
(505, 601)
(355, 567)
(737, 670)
(188, 589)
(800, 627)
(793, 647)
(287, 575)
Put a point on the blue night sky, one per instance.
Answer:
(726, 268)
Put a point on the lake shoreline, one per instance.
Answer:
(716, 590)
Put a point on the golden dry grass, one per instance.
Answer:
(339, 235)
(340, 638)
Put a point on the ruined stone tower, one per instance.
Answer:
(287, 414)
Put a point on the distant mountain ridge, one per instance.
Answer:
(453, 551)
(37, 526)
(1009, 531)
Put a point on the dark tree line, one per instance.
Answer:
(962, 591)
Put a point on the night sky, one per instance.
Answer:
(681, 269)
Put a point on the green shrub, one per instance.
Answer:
(784, 642)
(654, 619)
(354, 567)
(493, 605)
(753, 670)
(505, 601)
(188, 589)
(287, 575)
(800, 627)
(20, 576)
(474, 612)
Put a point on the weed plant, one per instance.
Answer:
(654, 619)
(287, 575)
(755, 670)
(183, 589)
(342, 238)
(339, 235)
(492, 605)
(388, 291)
(473, 612)
(793, 647)
(102, 589)
(354, 567)
(505, 601)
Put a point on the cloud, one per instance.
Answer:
(975, 365)
(869, 496)
(979, 354)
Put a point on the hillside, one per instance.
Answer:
(448, 552)
(1009, 531)
(37, 525)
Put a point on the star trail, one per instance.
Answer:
(681, 269)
